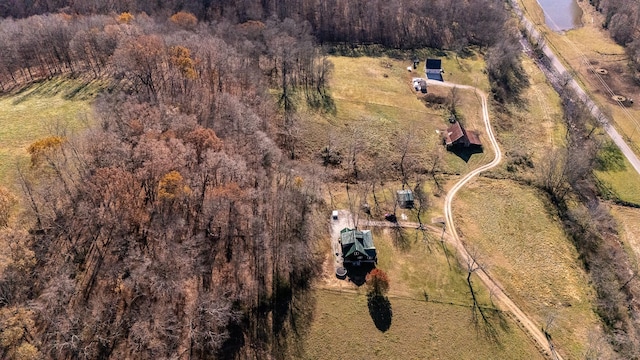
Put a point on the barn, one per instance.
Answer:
(457, 135)
(433, 69)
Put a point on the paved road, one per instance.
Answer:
(501, 298)
(573, 84)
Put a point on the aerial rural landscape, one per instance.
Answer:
(320, 179)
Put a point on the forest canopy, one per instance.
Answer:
(182, 221)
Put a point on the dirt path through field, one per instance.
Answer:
(501, 298)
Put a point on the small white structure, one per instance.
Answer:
(334, 215)
(420, 84)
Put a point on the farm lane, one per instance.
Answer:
(573, 84)
(502, 298)
(346, 219)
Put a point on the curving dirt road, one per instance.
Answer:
(501, 298)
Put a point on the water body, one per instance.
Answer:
(562, 14)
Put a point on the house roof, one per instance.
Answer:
(433, 69)
(454, 133)
(356, 240)
(457, 133)
(473, 137)
(435, 76)
(434, 64)
(404, 195)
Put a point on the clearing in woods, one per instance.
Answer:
(53, 107)
(419, 267)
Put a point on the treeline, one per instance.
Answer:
(398, 24)
(50, 44)
(567, 175)
(176, 227)
(622, 19)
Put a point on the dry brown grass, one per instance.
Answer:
(39, 110)
(587, 48)
(376, 105)
(628, 220)
(343, 329)
(525, 248)
(529, 253)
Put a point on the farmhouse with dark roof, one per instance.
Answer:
(357, 247)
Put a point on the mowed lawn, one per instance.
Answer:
(343, 329)
(53, 107)
(527, 251)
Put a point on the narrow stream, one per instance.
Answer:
(562, 15)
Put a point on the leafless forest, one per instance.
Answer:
(183, 224)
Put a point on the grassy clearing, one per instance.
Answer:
(376, 107)
(623, 184)
(526, 249)
(417, 264)
(538, 123)
(628, 220)
(508, 221)
(430, 302)
(58, 106)
(343, 329)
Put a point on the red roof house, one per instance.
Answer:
(457, 135)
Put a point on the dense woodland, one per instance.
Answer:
(182, 224)
(406, 23)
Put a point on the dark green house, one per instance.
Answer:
(357, 247)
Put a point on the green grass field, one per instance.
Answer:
(536, 124)
(417, 264)
(58, 106)
(508, 224)
(623, 184)
(431, 305)
(526, 249)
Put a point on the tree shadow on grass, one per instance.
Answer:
(380, 311)
(400, 238)
(358, 274)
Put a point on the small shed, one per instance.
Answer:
(357, 247)
(405, 199)
(433, 69)
(457, 135)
